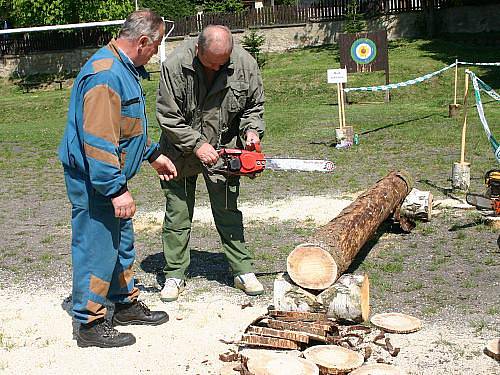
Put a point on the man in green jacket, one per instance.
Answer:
(210, 96)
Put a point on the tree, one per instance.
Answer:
(169, 9)
(25, 13)
(222, 6)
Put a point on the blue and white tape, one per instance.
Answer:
(479, 64)
(478, 86)
(416, 80)
(400, 84)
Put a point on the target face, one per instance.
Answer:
(363, 51)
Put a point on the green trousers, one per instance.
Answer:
(179, 208)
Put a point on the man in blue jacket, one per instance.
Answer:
(103, 147)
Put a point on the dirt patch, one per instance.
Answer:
(445, 272)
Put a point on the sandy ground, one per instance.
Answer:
(36, 328)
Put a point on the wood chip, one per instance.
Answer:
(282, 365)
(333, 358)
(297, 316)
(378, 369)
(284, 334)
(396, 322)
(270, 342)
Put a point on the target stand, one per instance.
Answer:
(365, 52)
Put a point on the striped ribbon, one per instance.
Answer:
(400, 84)
(479, 64)
(416, 80)
(478, 86)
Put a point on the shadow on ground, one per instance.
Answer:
(209, 265)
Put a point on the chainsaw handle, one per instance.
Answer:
(254, 147)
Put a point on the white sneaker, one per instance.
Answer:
(249, 284)
(172, 288)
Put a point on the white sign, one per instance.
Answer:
(336, 75)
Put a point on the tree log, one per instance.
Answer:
(345, 235)
(347, 299)
(417, 205)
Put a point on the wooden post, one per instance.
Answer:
(343, 104)
(339, 89)
(344, 236)
(460, 174)
(464, 127)
(454, 109)
(456, 81)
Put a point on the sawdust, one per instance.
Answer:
(319, 209)
(36, 330)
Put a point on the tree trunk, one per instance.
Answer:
(347, 299)
(417, 205)
(332, 248)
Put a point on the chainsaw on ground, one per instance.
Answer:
(489, 201)
(236, 162)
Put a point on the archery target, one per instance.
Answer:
(363, 51)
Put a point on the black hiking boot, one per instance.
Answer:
(101, 333)
(137, 313)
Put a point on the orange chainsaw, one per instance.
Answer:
(490, 201)
(236, 162)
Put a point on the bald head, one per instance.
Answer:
(216, 39)
(214, 47)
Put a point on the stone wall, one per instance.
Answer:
(406, 25)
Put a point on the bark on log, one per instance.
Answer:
(282, 334)
(269, 342)
(305, 327)
(346, 234)
(347, 299)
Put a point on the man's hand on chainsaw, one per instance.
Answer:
(207, 154)
(252, 142)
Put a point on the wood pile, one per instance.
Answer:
(274, 343)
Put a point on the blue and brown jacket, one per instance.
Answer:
(106, 134)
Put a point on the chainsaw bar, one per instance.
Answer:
(479, 201)
(290, 164)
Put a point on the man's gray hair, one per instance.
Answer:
(142, 22)
(206, 37)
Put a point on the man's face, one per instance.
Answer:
(213, 60)
(149, 49)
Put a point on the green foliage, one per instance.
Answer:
(222, 6)
(172, 10)
(354, 21)
(253, 42)
(40, 12)
(285, 2)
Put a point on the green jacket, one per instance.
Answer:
(190, 113)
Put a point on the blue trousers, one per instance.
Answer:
(102, 249)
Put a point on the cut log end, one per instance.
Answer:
(334, 359)
(311, 267)
(281, 365)
(396, 322)
(492, 349)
